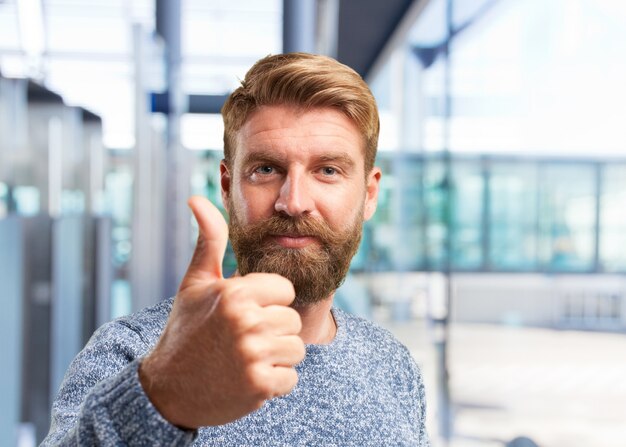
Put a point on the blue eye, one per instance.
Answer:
(329, 171)
(264, 169)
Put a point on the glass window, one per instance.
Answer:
(567, 210)
(119, 198)
(513, 216)
(4, 200)
(205, 181)
(613, 218)
(394, 238)
(437, 220)
(27, 200)
(467, 214)
(375, 250)
(408, 213)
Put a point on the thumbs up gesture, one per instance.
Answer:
(229, 344)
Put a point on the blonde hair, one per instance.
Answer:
(305, 81)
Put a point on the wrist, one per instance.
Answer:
(157, 388)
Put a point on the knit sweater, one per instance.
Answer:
(362, 389)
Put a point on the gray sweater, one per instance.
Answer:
(363, 389)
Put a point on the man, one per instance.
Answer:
(262, 358)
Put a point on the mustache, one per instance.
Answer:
(285, 225)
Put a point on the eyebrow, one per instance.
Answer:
(267, 156)
(342, 159)
(263, 156)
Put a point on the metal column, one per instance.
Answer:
(327, 27)
(148, 192)
(177, 225)
(11, 276)
(299, 25)
(66, 310)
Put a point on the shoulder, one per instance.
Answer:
(376, 350)
(359, 328)
(113, 346)
(143, 327)
(374, 340)
(149, 322)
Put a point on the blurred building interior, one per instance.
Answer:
(501, 225)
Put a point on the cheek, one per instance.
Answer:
(341, 210)
(253, 203)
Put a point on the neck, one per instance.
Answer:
(318, 324)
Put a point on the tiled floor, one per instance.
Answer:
(559, 388)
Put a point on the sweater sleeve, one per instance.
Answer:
(102, 402)
(419, 398)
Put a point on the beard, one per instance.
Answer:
(315, 271)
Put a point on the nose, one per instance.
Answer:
(294, 198)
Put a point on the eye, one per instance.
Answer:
(264, 170)
(327, 170)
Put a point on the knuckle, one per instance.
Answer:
(249, 351)
(237, 309)
(225, 291)
(228, 311)
(249, 320)
(258, 381)
(233, 290)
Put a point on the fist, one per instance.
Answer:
(229, 344)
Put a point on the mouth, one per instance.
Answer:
(293, 241)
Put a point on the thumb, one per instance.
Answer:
(206, 263)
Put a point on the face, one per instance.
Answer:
(297, 195)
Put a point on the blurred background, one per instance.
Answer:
(498, 251)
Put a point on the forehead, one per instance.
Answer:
(289, 128)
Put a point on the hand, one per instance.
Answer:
(229, 344)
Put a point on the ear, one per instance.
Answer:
(372, 186)
(225, 184)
